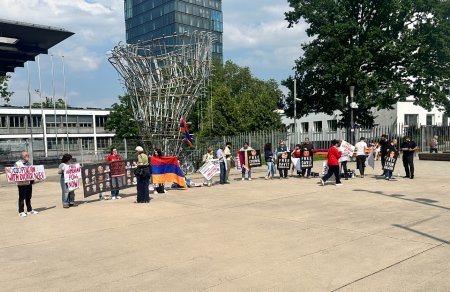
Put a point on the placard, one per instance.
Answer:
(72, 176)
(284, 160)
(210, 168)
(347, 149)
(25, 173)
(296, 163)
(306, 159)
(254, 158)
(389, 163)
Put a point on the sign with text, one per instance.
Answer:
(389, 163)
(284, 160)
(254, 158)
(347, 149)
(210, 168)
(25, 173)
(72, 176)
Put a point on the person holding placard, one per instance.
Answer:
(333, 163)
(281, 149)
(246, 147)
(228, 157)
(384, 144)
(208, 156)
(222, 164)
(114, 156)
(361, 148)
(307, 155)
(68, 197)
(390, 159)
(343, 161)
(25, 187)
(268, 157)
(296, 153)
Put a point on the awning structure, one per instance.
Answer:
(21, 42)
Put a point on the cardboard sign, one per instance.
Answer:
(254, 158)
(284, 160)
(118, 168)
(25, 173)
(389, 163)
(347, 149)
(306, 162)
(210, 168)
(72, 176)
(296, 163)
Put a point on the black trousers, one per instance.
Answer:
(344, 168)
(361, 162)
(333, 169)
(435, 150)
(25, 193)
(143, 193)
(306, 171)
(408, 163)
(283, 172)
(383, 159)
(223, 172)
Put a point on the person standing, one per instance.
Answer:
(408, 147)
(343, 161)
(158, 188)
(295, 154)
(246, 147)
(434, 145)
(361, 148)
(282, 148)
(223, 171)
(142, 173)
(208, 156)
(268, 157)
(114, 156)
(333, 163)
(384, 145)
(67, 196)
(307, 150)
(228, 158)
(25, 187)
(391, 157)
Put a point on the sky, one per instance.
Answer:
(255, 35)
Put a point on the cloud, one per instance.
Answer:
(81, 60)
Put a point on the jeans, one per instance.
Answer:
(344, 168)
(306, 171)
(114, 187)
(270, 168)
(408, 164)
(388, 173)
(228, 163)
(333, 169)
(25, 192)
(361, 162)
(68, 198)
(249, 173)
(223, 172)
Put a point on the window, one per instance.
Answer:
(35, 121)
(50, 121)
(85, 121)
(430, 120)
(305, 127)
(102, 143)
(16, 121)
(332, 125)
(100, 121)
(3, 121)
(411, 120)
(318, 126)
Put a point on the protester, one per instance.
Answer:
(228, 157)
(143, 174)
(246, 147)
(114, 156)
(361, 148)
(333, 163)
(384, 145)
(296, 153)
(434, 145)
(268, 157)
(391, 153)
(343, 161)
(282, 148)
(68, 197)
(307, 150)
(223, 171)
(25, 187)
(408, 147)
(208, 156)
(158, 188)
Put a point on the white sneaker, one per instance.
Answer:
(322, 182)
(32, 212)
(249, 178)
(339, 184)
(165, 191)
(113, 198)
(23, 214)
(243, 179)
(155, 192)
(118, 197)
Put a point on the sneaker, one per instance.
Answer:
(386, 178)
(23, 214)
(165, 191)
(249, 178)
(32, 212)
(362, 176)
(155, 192)
(412, 177)
(113, 198)
(406, 176)
(243, 179)
(322, 182)
(339, 184)
(118, 197)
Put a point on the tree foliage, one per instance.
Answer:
(5, 94)
(121, 120)
(48, 103)
(388, 49)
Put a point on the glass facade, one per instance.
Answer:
(147, 19)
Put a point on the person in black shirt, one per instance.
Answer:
(408, 147)
(384, 145)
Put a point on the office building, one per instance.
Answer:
(150, 19)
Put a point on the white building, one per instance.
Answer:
(53, 131)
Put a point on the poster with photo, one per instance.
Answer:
(103, 177)
(306, 159)
(254, 158)
(284, 160)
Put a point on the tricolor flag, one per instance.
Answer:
(184, 129)
(167, 170)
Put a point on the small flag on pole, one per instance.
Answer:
(184, 129)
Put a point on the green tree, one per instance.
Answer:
(387, 49)
(5, 94)
(48, 103)
(120, 119)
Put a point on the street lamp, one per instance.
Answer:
(352, 106)
(295, 111)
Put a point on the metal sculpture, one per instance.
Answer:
(163, 78)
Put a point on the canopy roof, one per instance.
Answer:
(21, 42)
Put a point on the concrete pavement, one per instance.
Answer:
(279, 235)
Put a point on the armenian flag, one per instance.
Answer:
(184, 129)
(166, 170)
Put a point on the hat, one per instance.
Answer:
(139, 149)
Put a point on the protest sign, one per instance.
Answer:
(306, 162)
(284, 160)
(389, 163)
(117, 168)
(254, 158)
(237, 160)
(25, 173)
(296, 163)
(347, 149)
(210, 168)
(72, 176)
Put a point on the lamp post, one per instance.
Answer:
(352, 122)
(295, 111)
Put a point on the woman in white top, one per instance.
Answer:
(343, 161)
(361, 148)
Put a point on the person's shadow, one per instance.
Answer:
(43, 209)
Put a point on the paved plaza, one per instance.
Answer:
(280, 235)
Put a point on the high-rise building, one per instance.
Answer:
(150, 19)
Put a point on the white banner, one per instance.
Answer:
(72, 176)
(371, 160)
(25, 173)
(347, 149)
(296, 163)
(210, 168)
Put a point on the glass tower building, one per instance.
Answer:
(147, 19)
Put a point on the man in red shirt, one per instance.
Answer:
(333, 163)
(114, 156)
